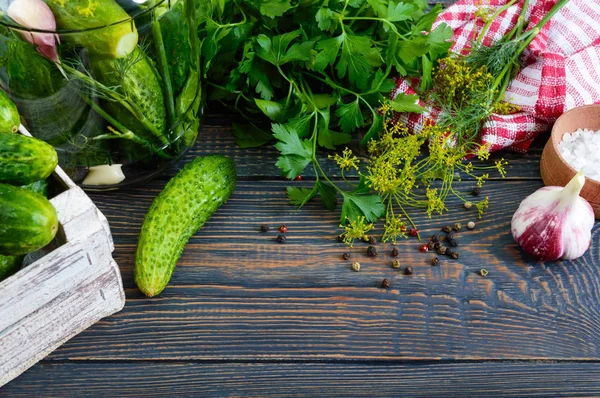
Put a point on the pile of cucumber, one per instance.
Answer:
(28, 221)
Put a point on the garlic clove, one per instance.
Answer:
(554, 222)
(104, 175)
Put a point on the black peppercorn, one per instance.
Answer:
(476, 191)
(264, 228)
(408, 270)
(442, 250)
(281, 238)
(454, 255)
(385, 283)
(437, 245)
(430, 245)
(435, 261)
(457, 227)
(346, 256)
(372, 251)
(372, 240)
(435, 238)
(453, 242)
(451, 235)
(447, 229)
(395, 252)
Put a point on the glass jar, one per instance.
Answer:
(116, 83)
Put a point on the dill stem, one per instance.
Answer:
(163, 68)
(487, 25)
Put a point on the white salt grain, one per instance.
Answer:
(581, 150)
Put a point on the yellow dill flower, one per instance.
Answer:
(482, 207)
(347, 161)
(355, 229)
(481, 179)
(500, 167)
(393, 229)
(469, 167)
(483, 152)
(434, 202)
(505, 108)
(382, 176)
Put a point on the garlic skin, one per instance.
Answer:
(554, 222)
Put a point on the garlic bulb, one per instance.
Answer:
(554, 222)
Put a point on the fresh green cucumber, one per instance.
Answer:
(105, 28)
(184, 205)
(24, 160)
(9, 115)
(137, 80)
(40, 187)
(9, 265)
(28, 221)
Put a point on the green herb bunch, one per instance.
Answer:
(318, 70)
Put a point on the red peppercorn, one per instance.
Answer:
(413, 232)
(299, 178)
(282, 229)
(423, 248)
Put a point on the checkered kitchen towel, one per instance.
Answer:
(562, 67)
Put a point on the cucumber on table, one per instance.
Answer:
(102, 34)
(184, 205)
(9, 115)
(136, 79)
(28, 221)
(9, 265)
(24, 160)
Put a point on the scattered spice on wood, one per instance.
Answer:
(413, 232)
(435, 261)
(424, 248)
(264, 228)
(453, 242)
(385, 283)
(442, 250)
(468, 205)
(346, 256)
(372, 251)
(372, 240)
(476, 191)
(457, 227)
(435, 238)
(395, 252)
(453, 253)
(396, 264)
(483, 272)
(281, 238)
(283, 229)
(408, 270)
(430, 245)
(451, 235)
(447, 229)
(355, 266)
(471, 225)
(437, 245)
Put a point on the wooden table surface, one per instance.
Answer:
(247, 316)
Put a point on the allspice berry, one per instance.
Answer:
(372, 251)
(457, 227)
(385, 283)
(408, 270)
(396, 264)
(395, 252)
(372, 240)
(447, 229)
(355, 266)
(442, 250)
(435, 261)
(346, 256)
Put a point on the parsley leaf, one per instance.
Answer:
(289, 142)
(275, 8)
(406, 103)
(270, 108)
(328, 195)
(357, 53)
(299, 196)
(350, 116)
(354, 206)
(275, 50)
(249, 136)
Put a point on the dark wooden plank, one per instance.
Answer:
(80, 379)
(259, 163)
(238, 294)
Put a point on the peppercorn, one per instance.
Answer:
(447, 229)
(442, 250)
(346, 256)
(395, 252)
(430, 245)
(423, 248)
(355, 266)
(436, 245)
(413, 232)
(299, 178)
(453, 254)
(468, 205)
(396, 264)
(435, 261)
(457, 227)
(372, 240)
(372, 251)
(282, 229)
(264, 228)
(470, 225)
(450, 235)
(281, 238)
(385, 283)
(476, 191)
(435, 238)
(453, 242)
(483, 272)
(408, 270)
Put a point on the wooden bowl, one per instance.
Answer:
(555, 170)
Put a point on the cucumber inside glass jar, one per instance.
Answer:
(109, 83)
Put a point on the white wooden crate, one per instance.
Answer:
(62, 292)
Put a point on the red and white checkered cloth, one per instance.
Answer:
(562, 67)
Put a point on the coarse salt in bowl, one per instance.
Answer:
(574, 145)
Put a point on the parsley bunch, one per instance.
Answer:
(318, 71)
